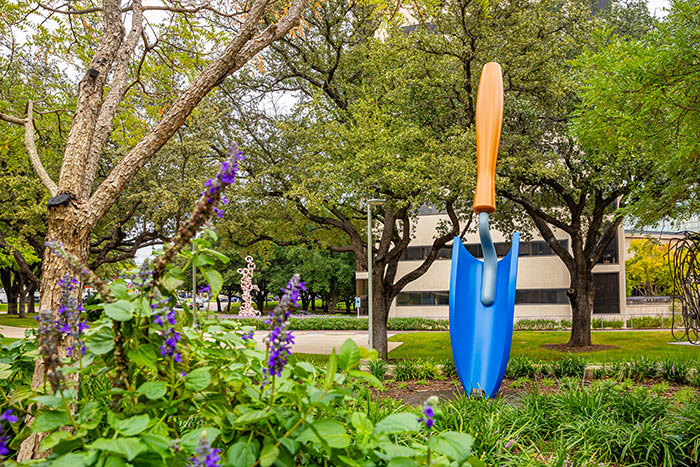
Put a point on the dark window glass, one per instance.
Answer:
(413, 253)
(610, 252)
(607, 293)
(444, 253)
(423, 298)
(442, 298)
(541, 296)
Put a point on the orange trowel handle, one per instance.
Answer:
(489, 119)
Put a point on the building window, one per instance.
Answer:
(522, 297)
(607, 293)
(423, 298)
(541, 297)
(533, 248)
(610, 252)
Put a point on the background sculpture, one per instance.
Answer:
(684, 263)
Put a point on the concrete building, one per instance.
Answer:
(542, 276)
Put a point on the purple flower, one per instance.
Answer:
(48, 338)
(280, 340)
(166, 318)
(247, 337)
(429, 412)
(9, 418)
(205, 289)
(205, 455)
(511, 442)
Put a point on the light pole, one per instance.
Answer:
(370, 203)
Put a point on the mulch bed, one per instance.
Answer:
(588, 348)
(416, 392)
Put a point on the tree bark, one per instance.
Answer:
(30, 304)
(64, 228)
(22, 303)
(380, 314)
(581, 294)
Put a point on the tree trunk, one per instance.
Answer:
(260, 302)
(22, 304)
(380, 313)
(218, 304)
(333, 305)
(305, 301)
(11, 301)
(30, 303)
(64, 228)
(313, 302)
(581, 295)
(228, 305)
(347, 305)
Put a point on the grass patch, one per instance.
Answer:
(632, 344)
(13, 320)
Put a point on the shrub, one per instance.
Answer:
(378, 368)
(570, 365)
(405, 369)
(641, 368)
(536, 324)
(521, 367)
(346, 323)
(426, 370)
(648, 322)
(448, 368)
(674, 371)
(600, 323)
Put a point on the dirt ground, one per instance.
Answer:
(416, 392)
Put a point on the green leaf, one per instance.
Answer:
(361, 422)
(172, 280)
(369, 377)
(456, 446)
(121, 310)
(127, 447)
(253, 416)
(157, 443)
(402, 462)
(70, 460)
(191, 440)
(101, 341)
(49, 421)
(220, 256)
(348, 355)
(53, 439)
(331, 370)
(133, 425)
(198, 380)
(119, 289)
(215, 280)
(402, 422)
(145, 355)
(243, 453)
(475, 462)
(268, 455)
(49, 401)
(330, 431)
(153, 390)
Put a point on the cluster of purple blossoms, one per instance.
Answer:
(226, 176)
(165, 317)
(48, 340)
(206, 456)
(511, 442)
(280, 340)
(205, 289)
(429, 412)
(9, 418)
(248, 336)
(68, 322)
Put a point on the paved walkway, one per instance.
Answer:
(314, 342)
(12, 331)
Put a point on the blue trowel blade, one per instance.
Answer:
(481, 335)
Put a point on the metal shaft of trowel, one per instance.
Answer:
(488, 278)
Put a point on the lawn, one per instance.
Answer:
(13, 320)
(651, 344)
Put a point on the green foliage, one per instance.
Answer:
(159, 413)
(448, 368)
(570, 365)
(647, 271)
(378, 368)
(348, 324)
(639, 103)
(521, 367)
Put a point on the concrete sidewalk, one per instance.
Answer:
(12, 331)
(313, 342)
(323, 342)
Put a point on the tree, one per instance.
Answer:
(641, 101)
(113, 63)
(545, 180)
(364, 126)
(647, 270)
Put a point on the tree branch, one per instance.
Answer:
(243, 47)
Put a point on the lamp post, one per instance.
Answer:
(370, 203)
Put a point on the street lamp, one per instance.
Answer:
(370, 203)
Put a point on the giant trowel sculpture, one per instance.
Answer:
(482, 294)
